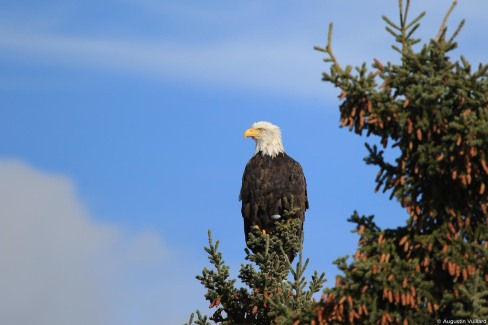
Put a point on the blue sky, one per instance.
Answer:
(121, 143)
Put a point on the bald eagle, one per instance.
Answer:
(271, 181)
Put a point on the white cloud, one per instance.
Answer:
(59, 267)
(250, 63)
(261, 48)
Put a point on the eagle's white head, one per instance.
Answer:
(267, 137)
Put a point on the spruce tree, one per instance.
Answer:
(434, 111)
(268, 295)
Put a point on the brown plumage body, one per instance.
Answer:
(269, 186)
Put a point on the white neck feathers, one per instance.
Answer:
(269, 143)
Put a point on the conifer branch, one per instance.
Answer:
(456, 32)
(329, 48)
(442, 29)
(403, 23)
(201, 320)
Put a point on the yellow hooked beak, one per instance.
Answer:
(252, 133)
